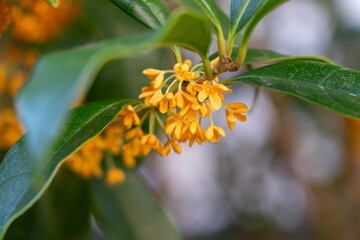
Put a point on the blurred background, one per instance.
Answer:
(292, 171)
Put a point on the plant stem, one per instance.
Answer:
(207, 68)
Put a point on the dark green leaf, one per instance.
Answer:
(261, 12)
(266, 56)
(206, 6)
(21, 184)
(129, 211)
(260, 56)
(223, 19)
(240, 14)
(151, 13)
(330, 86)
(60, 78)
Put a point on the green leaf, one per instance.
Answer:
(60, 78)
(240, 14)
(330, 86)
(54, 3)
(151, 13)
(206, 6)
(266, 56)
(224, 20)
(129, 211)
(261, 12)
(211, 11)
(21, 184)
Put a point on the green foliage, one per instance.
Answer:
(130, 212)
(22, 182)
(42, 112)
(240, 14)
(151, 13)
(265, 8)
(206, 5)
(330, 86)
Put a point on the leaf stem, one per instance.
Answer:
(207, 67)
(177, 54)
(221, 42)
(263, 11)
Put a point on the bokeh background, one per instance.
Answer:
(292, 171)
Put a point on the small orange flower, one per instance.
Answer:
(213, 133)
(129, 153)
(152, 96)
(183, 71)
(113, 139)
(151, 73)
(168, 102)
(165, 151)
(86, 161)
(182, 99)
(193, 132)
(130, 117)
(193, 88)
(194, 110)
(235, 110)
(173, 126)
(115, 176)
(149, 142)
(214, 93)
(156, 76)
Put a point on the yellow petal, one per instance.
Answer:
(177, 148)
(215, 101)
(209, 132)
(163, 106)
(151, 71)
(159, 80)
(193, 127)
(202, 96)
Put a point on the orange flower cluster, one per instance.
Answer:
(187, 102)
(88, 159)
(36, 21)
(182, 100)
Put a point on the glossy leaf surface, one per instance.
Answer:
(52, 88)
(21, 184)
(151, 13)
(330, 86)
(266, 56)
(129, 211)
(240, 14)
(207, 6)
